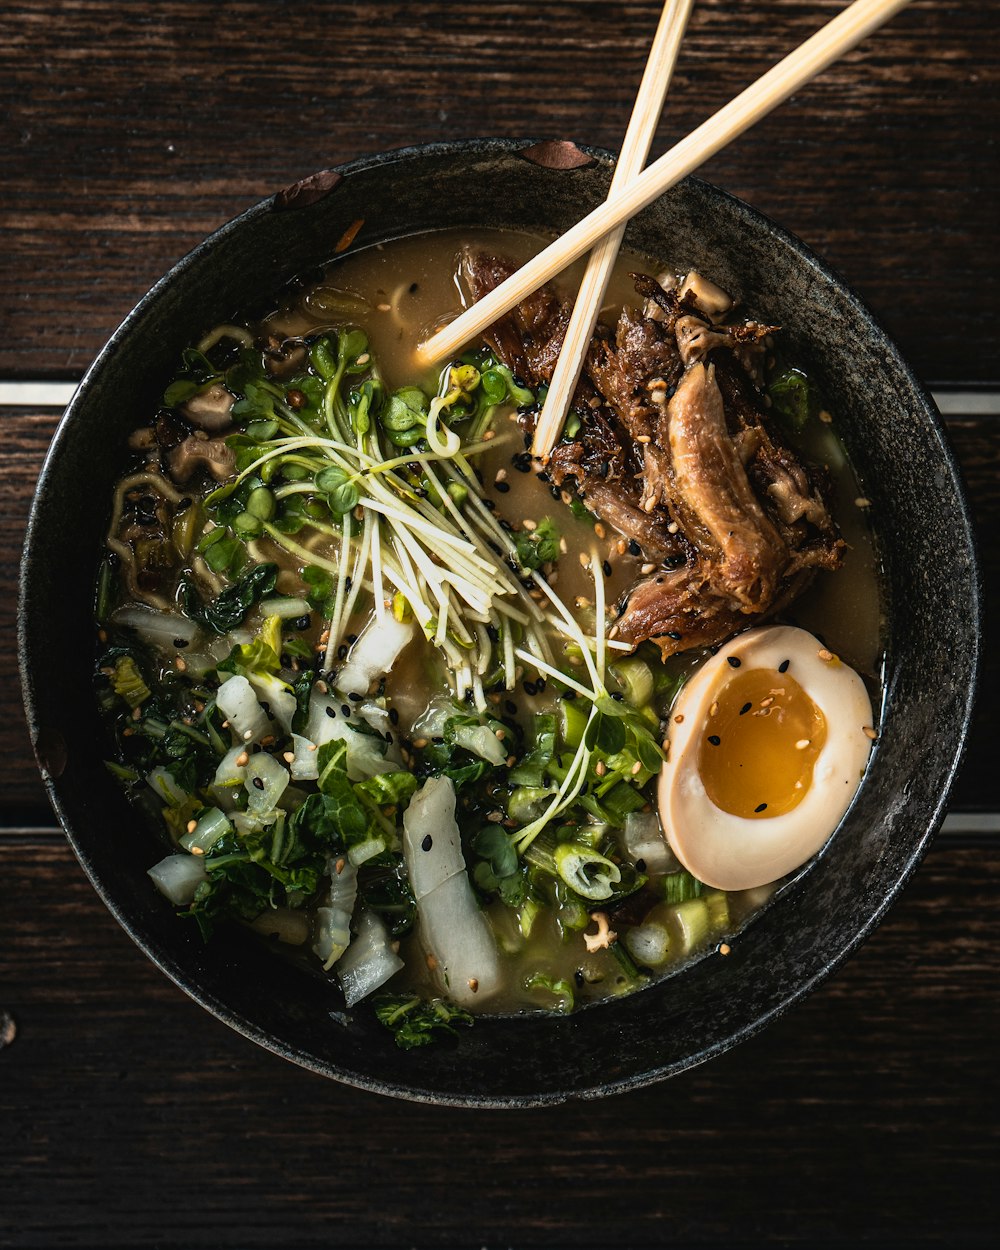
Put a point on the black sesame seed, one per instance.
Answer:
(332, 713)
(414, 287)
(342, 651)
(427, 843)
(783, 666)
(510, 707)
(521, 462)
(761, 807)
(488, 503)
(346, 709)
(606, 566)
(352, 639)
(578, 977)
(745, 708)
(672, 633)
(501, 487)
(617, 696)
(300, 623)
(569, 695)
(633, 548)
(555, 492)
(640, 865)
(715, 740)
(530, 687)
(393, 716)
(181, 643)
(544, 477)
(348, 583)
(354, 698)
(259, 782)
(733, 661)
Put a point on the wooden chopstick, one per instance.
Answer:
(809, 59)
(635, 148)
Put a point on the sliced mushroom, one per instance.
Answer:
(194, 453)
(282, 359)
(710, 299)
(210, 409)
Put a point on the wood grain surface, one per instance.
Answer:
(133, 130)
(850, 1121)
(130, 1117)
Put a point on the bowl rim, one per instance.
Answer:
(170, 965)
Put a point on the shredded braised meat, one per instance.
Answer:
(675, 451)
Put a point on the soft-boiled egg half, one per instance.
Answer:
(768, 742)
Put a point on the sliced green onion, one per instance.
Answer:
(591, 875)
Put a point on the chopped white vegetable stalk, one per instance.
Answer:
(369, 960)
(453, 929)
(644, 840)
(178, 876)
(163, 785)
(285, 609)
(374, 654)
(265, 782)
(367, 755)
(432, 844)
(277, 695)
(162, 630)
(304, 766)
(228, 778)
(237, 702)
(333, 922)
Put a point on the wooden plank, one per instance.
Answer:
(133, 131)
(22, 800)
(131, 1117)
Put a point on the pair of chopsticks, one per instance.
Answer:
(632, 190)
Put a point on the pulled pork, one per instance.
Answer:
(675, 451)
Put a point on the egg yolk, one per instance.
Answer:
(759, 744)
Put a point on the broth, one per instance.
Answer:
(398, 293)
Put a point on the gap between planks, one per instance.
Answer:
(958, 825)
(34, 394)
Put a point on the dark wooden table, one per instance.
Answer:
(128, 1116)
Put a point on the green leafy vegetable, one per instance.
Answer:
(196, 374)
(230, 609)
(414, 1021)
(538, 546)
(128, 682)
(559, 987)
(349, 813)
(388, 788)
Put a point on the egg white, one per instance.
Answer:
(732, 852)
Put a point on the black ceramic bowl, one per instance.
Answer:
(931, 602)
